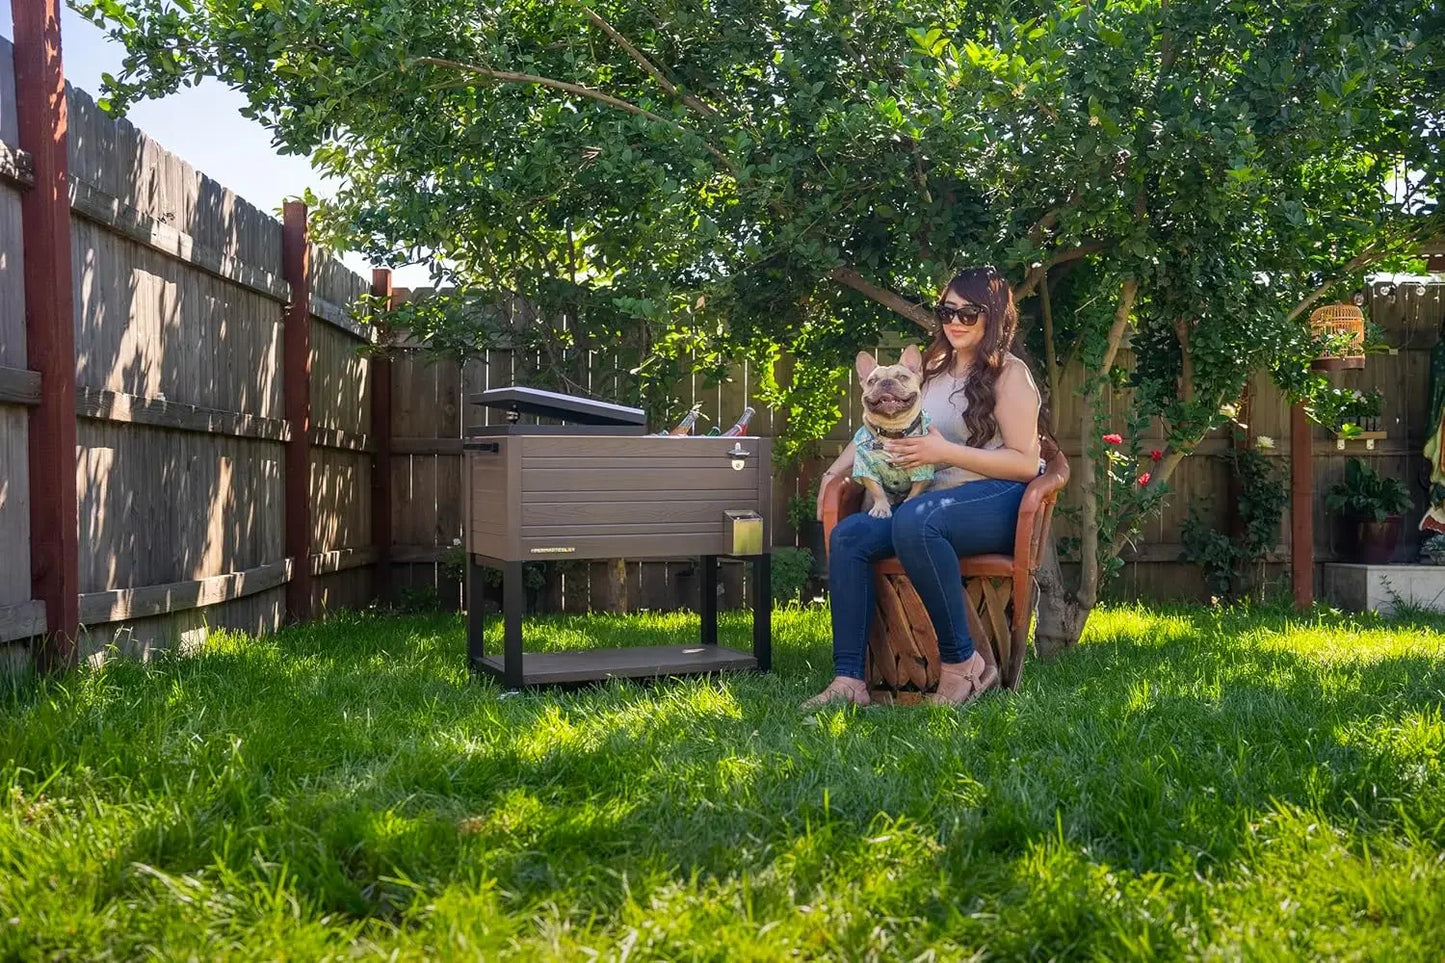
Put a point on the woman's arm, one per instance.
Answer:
(843, 466)
(1016, 406)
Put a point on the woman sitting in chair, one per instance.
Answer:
(984, 445)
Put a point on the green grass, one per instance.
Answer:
(1187, 783)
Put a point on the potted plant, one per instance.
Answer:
(1369, 509)
(1359, 418)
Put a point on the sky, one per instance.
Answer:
(203, 124)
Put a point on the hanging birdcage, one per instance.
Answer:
(1344, 325)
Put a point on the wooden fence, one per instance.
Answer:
(214, 369)
(428, 468)
(1411, 317)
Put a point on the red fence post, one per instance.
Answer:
(296, 392)
(49, 326)
(1301, 508)
(381, 438)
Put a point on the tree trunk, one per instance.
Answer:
(1060, 618)
(1062, 613)
(1051, 355)
(609, 586)
(1088, 592)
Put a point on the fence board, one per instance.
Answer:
(147, 327)
(21, 620)
(14, 506)
(341, 515)
(9, 125)
(123, 604)
(12, 281)
(160, 506)
(340, 382)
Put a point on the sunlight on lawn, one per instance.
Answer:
(1188, 782)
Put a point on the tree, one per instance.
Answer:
(737, 178)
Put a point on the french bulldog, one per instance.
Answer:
(892, 408)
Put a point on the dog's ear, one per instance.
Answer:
(864, 365)
(912, 358)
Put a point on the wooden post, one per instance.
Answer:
(296, 391)
(1301, 508)
(49, 326)
(381, 437)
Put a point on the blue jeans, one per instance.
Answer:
(928, 534)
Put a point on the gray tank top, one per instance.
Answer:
(945, 403)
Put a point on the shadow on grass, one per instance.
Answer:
(360, 756)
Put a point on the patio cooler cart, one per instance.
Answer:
(596, 486)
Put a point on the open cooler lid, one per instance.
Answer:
(551, 404)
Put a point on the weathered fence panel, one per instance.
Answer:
(342, 447)
(178, 370)
(20, 616)
(179, 294)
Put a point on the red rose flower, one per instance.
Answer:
(1144, 478)
(1155, 455)
(1114, 439)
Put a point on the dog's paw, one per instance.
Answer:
(881, 510)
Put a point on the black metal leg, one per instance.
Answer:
(763, 612)
(513, 603)
(476, 621)
(708, 602)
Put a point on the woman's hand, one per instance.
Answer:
(929, 449)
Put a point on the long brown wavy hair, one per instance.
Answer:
(989, 289)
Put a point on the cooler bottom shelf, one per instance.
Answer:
(543, 668)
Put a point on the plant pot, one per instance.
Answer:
(1369, 542)
(1330, 363)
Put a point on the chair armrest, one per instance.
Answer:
(841, 498)
(1035, 511)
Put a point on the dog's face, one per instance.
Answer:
(892, 393)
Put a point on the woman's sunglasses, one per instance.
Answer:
(967, 315)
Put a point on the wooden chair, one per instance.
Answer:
(902, 660)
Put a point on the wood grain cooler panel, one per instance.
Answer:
(550, 496)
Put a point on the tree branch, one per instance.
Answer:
(507, 76)
(898, 304)
(1127, 293)
(1088, 524)
(1164, 471)
(1037, 272)
(692, 102)
(1051, 355)
(1088, 593)
(1360, 261)
(1181, 333)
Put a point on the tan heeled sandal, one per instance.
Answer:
(964, 682)
(841, 689)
